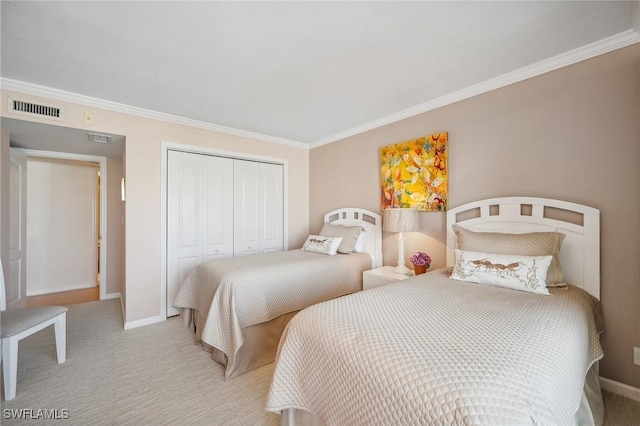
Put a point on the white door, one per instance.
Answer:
(258, 207)
(17, 268)
(199, 215)
(271, 207)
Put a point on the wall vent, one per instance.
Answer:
(29, 108)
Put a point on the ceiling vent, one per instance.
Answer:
(29, 108)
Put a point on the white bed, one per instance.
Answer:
(238, 307)
(432, 350)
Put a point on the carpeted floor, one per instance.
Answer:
(153, 375)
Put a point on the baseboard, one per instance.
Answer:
(112, 296)
(145, 321)
(59, 289)
(620, 388)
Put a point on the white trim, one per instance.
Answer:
(103, 200)
(142, 322)
(600, 47)
(115, 295)
(620, 388)
(61, 95)
(165, 146)
(59, 289)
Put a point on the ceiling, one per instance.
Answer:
(305, 73)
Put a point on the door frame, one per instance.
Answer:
(102, 161)
(165, 147)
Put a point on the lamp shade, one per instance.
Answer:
(400, 220)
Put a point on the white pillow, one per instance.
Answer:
(518, 272)
(362, 238)
(323, 245)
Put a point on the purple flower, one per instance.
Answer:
(420, 258)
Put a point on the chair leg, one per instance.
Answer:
(60, 327)
(10, 366)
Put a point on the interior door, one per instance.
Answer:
(17, 285)
(199, 215)
(258, 207)
(245, 203)
(271, 207)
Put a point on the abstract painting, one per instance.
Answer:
(414, 174)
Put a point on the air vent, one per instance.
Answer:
(29, 108)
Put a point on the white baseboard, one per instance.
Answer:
(620, 388)
(112, 296)
(145, 321)
(59, 289)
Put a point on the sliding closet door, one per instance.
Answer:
(258, 207)
(199, 215)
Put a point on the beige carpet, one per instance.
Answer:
(152, 375)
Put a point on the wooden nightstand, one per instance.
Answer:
(381, 276)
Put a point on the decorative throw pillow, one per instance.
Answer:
(518, 272)
(323, 245)
(349, 235)
(528, 244)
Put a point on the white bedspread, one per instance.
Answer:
(430, 350)
(234, 293)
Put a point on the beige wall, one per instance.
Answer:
(115, 227)
(143, 202)
(572, 134)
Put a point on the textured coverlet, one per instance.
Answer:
(229, 294)
(430, 350)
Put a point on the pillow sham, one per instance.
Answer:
(362, 239)
(528, 244)
(349, 235)
(518, 272)
(322, 245)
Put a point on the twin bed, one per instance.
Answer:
(434, 350)
(429, 349)
(238, 307)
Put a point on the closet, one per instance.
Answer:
(219, 207)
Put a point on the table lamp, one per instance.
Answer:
(400, 220)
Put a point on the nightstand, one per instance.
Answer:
(381, 276)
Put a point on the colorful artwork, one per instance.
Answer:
(414, 174)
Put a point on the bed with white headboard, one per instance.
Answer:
(239, 306)
(580, 254)
(436, 350)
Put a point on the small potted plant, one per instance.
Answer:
(421, 262)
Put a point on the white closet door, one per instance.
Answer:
(258, 207)
(246, 182)
(199, 215)
(271, 207)
(218, 208)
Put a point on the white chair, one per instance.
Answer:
(16, 324)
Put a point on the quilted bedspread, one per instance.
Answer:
(239, 292)
(430, 350)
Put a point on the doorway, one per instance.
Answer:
(63, 235)
(63, 285)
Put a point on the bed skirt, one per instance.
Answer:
(259, 347)
(589, 413)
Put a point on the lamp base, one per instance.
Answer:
(402, 269)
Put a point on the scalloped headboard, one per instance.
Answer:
(580, 252)
(370, 221)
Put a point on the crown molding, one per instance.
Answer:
(600, 47)
(64, 96)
